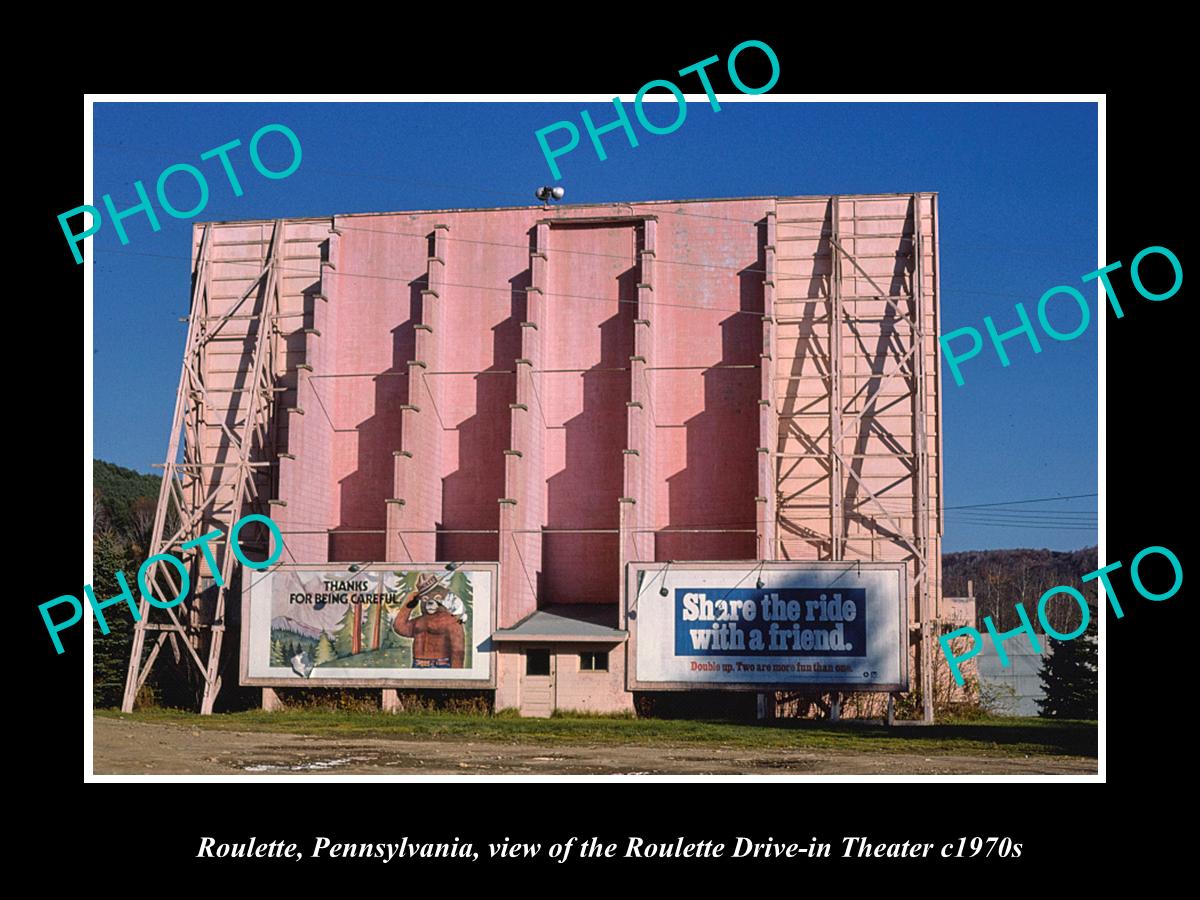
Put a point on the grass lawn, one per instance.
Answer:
(985, 737)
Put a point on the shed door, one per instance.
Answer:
(537, 689)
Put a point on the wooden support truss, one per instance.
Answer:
(210, 485)
(813, 466)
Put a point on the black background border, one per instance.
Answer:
(1145, 674)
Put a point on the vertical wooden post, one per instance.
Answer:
(767, 703)
(636, 520)
(837, 493)
(390, 701)
(921, 464)
(271, 701)
(768, 422)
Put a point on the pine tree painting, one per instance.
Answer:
(391, 640)
(277, 655)
(1069, 678)
(343, 639)
(460, 583)
(324, 652)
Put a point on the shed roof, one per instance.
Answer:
(573, 622)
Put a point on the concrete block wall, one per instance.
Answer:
(705, 377)
(575, 689)
(582, 388)
(580, 690)
(306, 442)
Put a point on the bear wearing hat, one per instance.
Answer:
(437, 633)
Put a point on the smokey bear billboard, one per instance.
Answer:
(416, 625)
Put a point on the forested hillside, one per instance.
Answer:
(1004, 577)
(122, 521)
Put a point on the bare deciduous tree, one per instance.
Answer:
(142, 524)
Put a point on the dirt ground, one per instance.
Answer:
(139, 748)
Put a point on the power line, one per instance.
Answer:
(749, 269)
(1023, 512)
(1035, 523)
(1014, 525)
(862, 512)
(970, 516)
(988, 515)
(479, 287)
(1013, 502)
(968, 506)
(741, 270)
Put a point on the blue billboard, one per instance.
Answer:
(752, 622)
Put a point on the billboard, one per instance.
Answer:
(767, 625)
(407, 625)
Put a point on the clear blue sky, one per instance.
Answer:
(1017, 185)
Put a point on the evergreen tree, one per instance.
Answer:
(110, 653)
(119, 490)
(343, 639)
(277, 655)
(1069, 677)
(325, 652)
(391, 640)
(460, 583)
